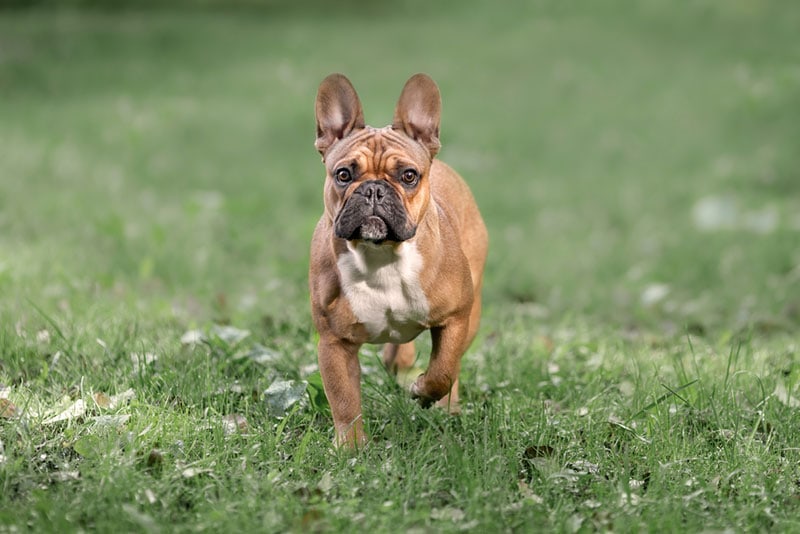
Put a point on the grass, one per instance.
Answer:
(636, 369)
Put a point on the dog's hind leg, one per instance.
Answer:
(398, 357)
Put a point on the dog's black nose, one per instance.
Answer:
(374, 191)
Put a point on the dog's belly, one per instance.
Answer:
(383, 289)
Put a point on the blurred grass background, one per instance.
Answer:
(163, 154)
(636, 164)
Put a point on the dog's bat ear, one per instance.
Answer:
(338, 111)
(419, 110)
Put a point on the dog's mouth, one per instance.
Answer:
(374, 229)
(375, 213)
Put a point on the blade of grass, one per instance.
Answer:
(662, 398)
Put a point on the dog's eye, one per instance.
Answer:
(343, 175)
(409, 177)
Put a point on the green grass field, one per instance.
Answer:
(637, 365)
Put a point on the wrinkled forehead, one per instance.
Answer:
(376, 148)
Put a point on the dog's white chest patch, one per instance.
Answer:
(383, 288)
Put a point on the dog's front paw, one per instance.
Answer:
(427, 392)
(417, 393)
(351, 437)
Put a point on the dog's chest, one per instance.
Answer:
(383, 289)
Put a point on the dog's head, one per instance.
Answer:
(377, 186)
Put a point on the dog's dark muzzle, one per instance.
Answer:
(374, 212)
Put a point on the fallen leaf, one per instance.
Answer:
(282, 395)
(7, 409)
(229, 334)
(635, 484)
(654, 293)
(101, 399)
(191, 472)
(583, 467)
(76, 409)
(234, 423)
(308, 369)
(192, 337)
(261, 354)
(713, 213)
(121, 398)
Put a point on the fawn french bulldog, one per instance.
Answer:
(399, 249)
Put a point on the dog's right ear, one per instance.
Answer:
(338, 111)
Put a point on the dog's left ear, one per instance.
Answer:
(418, 112)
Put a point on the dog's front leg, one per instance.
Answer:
(441, 378)
(341, 377)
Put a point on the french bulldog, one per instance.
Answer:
(400, 248)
